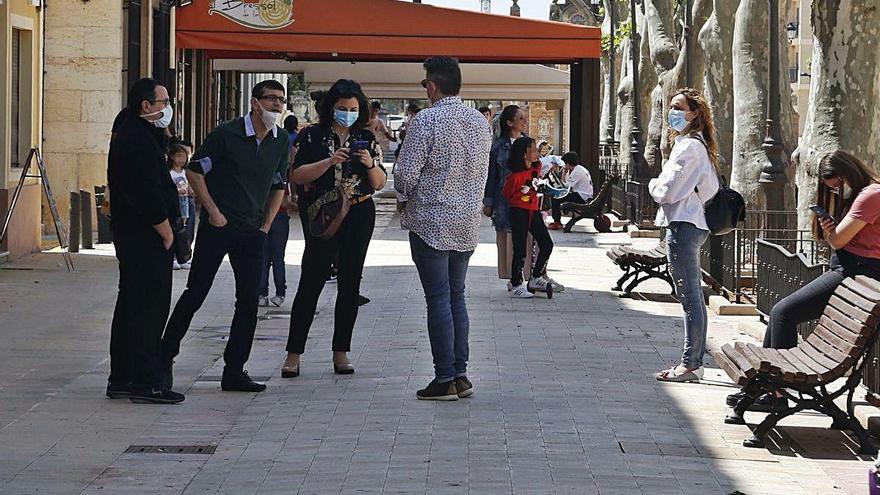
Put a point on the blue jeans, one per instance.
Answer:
(683, 242)
(273, 255)
(442, 274)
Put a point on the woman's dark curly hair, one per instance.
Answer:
(517, 158)
(343, 89)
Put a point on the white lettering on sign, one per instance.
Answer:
(256, 14)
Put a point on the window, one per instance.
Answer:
(16, 97)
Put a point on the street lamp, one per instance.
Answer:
(609, 131)
(636, 159)
(792, 29)
(773, 177)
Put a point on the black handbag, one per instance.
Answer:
(726, 208)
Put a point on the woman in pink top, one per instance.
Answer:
(850, 192)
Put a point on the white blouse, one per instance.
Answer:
(687, 169)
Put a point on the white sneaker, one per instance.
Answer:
(538, 284)
(521, 292)
(185, 266)
(277, 301)
(175, 265)
(263, 302)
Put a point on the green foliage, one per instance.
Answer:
(621, 32)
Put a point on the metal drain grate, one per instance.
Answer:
(171, 449)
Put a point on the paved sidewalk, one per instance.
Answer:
(565, 401)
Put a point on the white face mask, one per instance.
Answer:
(269, 117)
(845, 191)
(163, 121)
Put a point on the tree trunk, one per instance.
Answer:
(716, 40)
(647, 80)
(750, 58)
(607, 98)
(844, 105)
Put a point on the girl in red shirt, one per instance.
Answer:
(525, 217)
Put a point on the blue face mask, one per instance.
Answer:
(676, 120)
(345, 118)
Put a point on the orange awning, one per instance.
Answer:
(376, 30)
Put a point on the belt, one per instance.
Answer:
(361, 199)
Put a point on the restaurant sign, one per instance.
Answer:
(257, 14)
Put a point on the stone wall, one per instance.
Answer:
(82, 93)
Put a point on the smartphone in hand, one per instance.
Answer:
(821, 212)
(359, 146)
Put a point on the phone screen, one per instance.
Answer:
(820, 212)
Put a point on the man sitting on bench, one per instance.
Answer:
(856, 239)
(578, 178)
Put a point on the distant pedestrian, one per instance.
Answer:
(142, 210)
(411, 110)
(440, 178)
(578, 179)
(521, 193)
(177, 158)
(336, 152)
(487, 112)
(239, 175)
(378, 128)
(513, 126)
(688, 180)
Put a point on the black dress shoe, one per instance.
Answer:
(240, 381)
(765, 403)
(288, 372)
(153, 395)
(118, 391)
(733, 399)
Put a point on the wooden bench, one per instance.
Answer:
(595, 209)
(640, 265)
(840, 344)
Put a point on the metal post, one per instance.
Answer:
(773, 177)
(689, 43)
(636, 159)
(609, 131)
(85, 209)
(74, 235)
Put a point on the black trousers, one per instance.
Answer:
(556, 204)
(351, 243)
(141, 307)
(245, 250)
(808, 302)
(523, 222)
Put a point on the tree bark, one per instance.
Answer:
(844, 105)
(647, 80)
(607, 98)
(750, 58)
(716, 40)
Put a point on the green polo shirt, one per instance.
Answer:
(240, 171)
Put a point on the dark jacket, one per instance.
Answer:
(142, 193)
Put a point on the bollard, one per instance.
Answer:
(73, 238)
(85, 205)
(103, 216)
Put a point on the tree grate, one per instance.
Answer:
(171, 449)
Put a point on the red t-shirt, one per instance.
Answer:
(513, 187)
(866, 208)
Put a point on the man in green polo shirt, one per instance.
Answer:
(239, 175)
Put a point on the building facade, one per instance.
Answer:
(21, 83)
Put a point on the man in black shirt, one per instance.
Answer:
(144, 203)
(239, 175)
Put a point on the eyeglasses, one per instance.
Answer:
(166, 101)
(837, 185)
(274, 98)
(425, 82)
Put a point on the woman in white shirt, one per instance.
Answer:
(689, 179)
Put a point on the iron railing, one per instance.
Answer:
(641, 207)
(609, 163)
(730, 261)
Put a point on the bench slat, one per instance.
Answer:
(813, 375)
(824, 373)
(755, 358)
(828, 336)
(847, 335)
(857, 300)
(847, 322)
(853, 312)
(739, 360)
(865, 286)
(730, 368)
(826, 349)
(818, 357)
(789, 371)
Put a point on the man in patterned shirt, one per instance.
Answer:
(439, 177)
